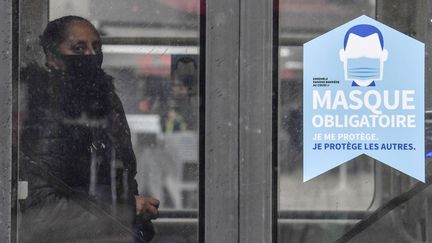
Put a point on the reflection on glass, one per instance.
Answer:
(159, 91)
(153, 119)
(321, 209)
(333, 189)
(158, 87)
(306, 19)
(135, 18)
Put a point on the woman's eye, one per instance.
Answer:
(98, 48)
(78, 49)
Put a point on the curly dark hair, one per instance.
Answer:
(54, 32)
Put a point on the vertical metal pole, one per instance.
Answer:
(221, 121)
(33, 19)
(30, 18)
(6, 119)
(256, 88)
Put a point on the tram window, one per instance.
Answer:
(347, 188)
(331, 189)
(150, 49)
(362, 200)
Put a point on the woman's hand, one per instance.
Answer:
(147, 207)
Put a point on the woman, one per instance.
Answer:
(75, 148)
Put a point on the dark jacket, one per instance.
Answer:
(76, 154)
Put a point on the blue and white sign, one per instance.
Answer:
(363, 93)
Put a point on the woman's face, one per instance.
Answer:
(81, 38)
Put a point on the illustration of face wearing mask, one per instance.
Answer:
(363, 55)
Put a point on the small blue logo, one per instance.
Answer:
(363, 55)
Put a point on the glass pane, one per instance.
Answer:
(306, 19)
(321, 209)
(349, 187)
(135, 18)
(361, 200)
(109, 125)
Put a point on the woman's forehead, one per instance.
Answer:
(81, 31)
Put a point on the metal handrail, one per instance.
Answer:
(178, 213)
(283, 214)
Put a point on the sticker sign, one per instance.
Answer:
(363, 93)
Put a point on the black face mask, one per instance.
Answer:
(83, 65)
(85, 86)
